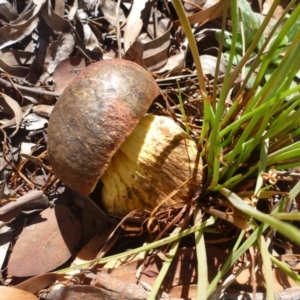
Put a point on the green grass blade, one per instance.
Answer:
(267, 266)
(206, 121)
(192, 43)
(148, 247)
(163, 271)
(285, 268)
(251, 49)
(287, 216)
(184, 116)
(202, 271)
(262, 167)
(227, 265)
(238, 251)
(285, 229)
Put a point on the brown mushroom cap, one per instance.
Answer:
(93, 117)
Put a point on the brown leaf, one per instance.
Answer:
(60, 7)
(174, 63)
(54, 21)
(135, 52)
(89, 38)
(17, 30)
(43, 110)
(57, 52)
(181, 276)
(206, 15)
(156, 51)
(118, 288)
(79, 292)
(46, 243)
(90, 251)
(135, 21)
(6, 237)
(108, 8)
(17, 111)
(281, 280)
(193, 5)
(16, 71)
(66, 71)
(8, 11)
(40, 282)
(15, 57)
(15, 294)
(209, 64)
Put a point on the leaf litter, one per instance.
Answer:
(44, 226)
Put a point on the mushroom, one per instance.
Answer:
(98, 130)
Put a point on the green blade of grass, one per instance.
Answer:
(276, 81)
(225, 268)
(192, 43)
(202, 271)
(235, 125)
(285, 156)
(287, 216)
(262, 167)
(285, 229)
(163, 271)
(285, 122)
(283, 150)
(219, 58)
(147, 247)
(247, 148)
(251, 49)
(267, 266)
(238, 251)
(285, 268)
(206, 121)
(184, 116)
(214, 138)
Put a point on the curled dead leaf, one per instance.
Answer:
(17, 112)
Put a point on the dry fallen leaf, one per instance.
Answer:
(66, 71)
(52, 237)
(90, 39)
(209, 64)
(6, 236)
(59, 50)
(156, 51)
(43, 110)
(16, 71)
(79, 292)
(40, 282)
(179, 280)
(22, 27)
(135, 20)
(206, 15)
(17, 111)
(8, 11)
(108, 8)
(10, 293)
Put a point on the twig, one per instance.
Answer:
(118, 29)
(26, 89)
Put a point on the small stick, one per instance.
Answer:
(27, 89)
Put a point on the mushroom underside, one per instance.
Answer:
(157, 163)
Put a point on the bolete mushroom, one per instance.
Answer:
(98, 130)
